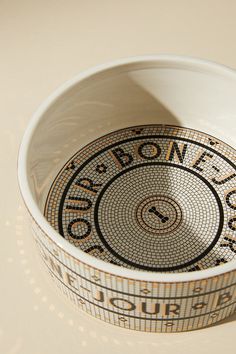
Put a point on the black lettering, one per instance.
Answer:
(122, 158)
(75, 222)
(70, 279)
(99, 296)
(176, 152)
(172, 308)
(232, 224)
(224, 179)
(80, 204)
(150, 155)
(201, 159)
(122, 304)
(230, 242)
(155, 308)
(88, 185)
(228, 199)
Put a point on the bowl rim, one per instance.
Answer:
(44, 225)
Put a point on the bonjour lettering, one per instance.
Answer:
(149, 151)
(90, 291)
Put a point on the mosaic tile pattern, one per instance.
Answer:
(156, 198)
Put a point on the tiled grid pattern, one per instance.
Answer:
(200, 212)
(183, 243)
(134, 304)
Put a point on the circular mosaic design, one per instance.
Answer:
(158, 214)
(155, 197)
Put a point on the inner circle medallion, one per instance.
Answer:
(159, 214)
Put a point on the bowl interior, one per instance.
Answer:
(180, 93)
(170, 91)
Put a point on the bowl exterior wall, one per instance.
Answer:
(134, 304)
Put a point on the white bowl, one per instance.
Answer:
(162, 89)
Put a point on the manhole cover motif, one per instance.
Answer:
(157, 198)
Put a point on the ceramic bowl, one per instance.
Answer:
(150, 242)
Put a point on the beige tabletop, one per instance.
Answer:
(43, 43)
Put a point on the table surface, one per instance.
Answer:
(43, 43)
